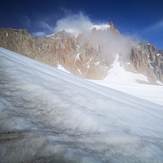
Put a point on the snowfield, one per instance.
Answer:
(47, 115)
(127, 82)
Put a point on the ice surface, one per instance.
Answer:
(47, 115)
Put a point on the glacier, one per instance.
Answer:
(47, 115)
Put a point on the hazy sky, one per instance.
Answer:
(142, 18)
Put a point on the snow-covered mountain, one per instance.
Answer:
(47, 115)
(88, 55)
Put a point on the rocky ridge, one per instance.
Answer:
(147, 60)
(82, 55)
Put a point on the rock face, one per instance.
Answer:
(73, 53)
(147, 60)
(83, 55)
(78, 57)
(22, 42)
(112, 28)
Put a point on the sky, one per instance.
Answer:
(142, 18)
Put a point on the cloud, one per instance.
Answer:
(80, 23)
(71, 23)
(110, 42)
(77, 23)
(65, 10)
(156, 27)
(25, 21)
(46, 27)
(39, 34)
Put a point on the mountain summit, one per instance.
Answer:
(88, 55)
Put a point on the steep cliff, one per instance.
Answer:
(147, 60)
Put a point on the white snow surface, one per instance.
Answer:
(118, 75)
(77, 57)
(127, 82)
(101, 27)
(60, 67)
(97, 63)
(152, 93)
(47, 115)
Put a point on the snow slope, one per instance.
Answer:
(127, 82)
(60, 67)
(118, 75)
(47, 115)
(152, 93)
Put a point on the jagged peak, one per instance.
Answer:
(112, 25)
(112, 28)
(105, 27)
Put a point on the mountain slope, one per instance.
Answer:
(118, 75)
(88, 55)
(48, 115)
(125, 81)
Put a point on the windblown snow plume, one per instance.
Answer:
(107, 40)
(80, 23)
(111, 43)
(74, 24)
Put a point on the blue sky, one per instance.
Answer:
(141, 18)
